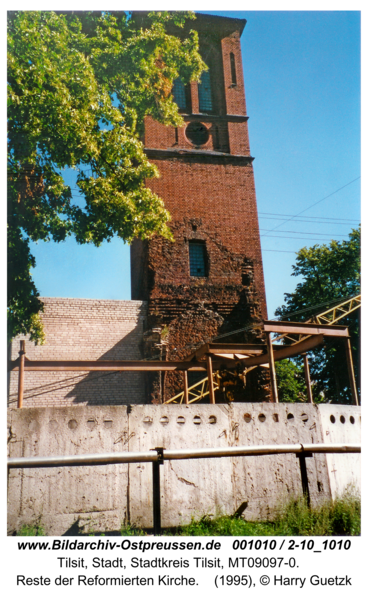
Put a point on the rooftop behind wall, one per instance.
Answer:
(78, 329)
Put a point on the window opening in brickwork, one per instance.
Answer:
(233, 69)
(179, 94)
(197, 134)
(204, 93)
(197, 259)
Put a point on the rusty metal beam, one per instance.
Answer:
(210, 379)
(186, 394)
(109, 365)
(307, 379)
(349, 360)
(275, 396)
(305, 328)
(285, 351)
(22, 352)
(228, 349)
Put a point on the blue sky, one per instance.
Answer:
(302, 83)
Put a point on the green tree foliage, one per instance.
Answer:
(330, 274)
(79, 88)
(290, 381)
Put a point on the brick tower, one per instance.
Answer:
(210, 280)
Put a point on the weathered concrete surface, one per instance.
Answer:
(72, 499)
(188, 487)
(263, 482)
(342, 424)
(95, 497)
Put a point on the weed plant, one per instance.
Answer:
(31, 530)
(338, 517)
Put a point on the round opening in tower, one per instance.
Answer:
(197, 134)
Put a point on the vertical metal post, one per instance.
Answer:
(307, 379)
(272, 368)
(186, 394)
(210, 379)
(349, 360)
(304, 474)
(22, 353)
(156, 493)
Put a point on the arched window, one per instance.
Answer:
(233, 68)
(204, 93)
(179, 93)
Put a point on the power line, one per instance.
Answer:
(315, 204)
(315, 221)
(288, 251)
(308, 232)
(309, 217)
(289, 237)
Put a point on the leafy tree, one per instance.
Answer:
(330, 274)
(290, 381)
(79, 88)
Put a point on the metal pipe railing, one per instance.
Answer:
(151, 456)
(159, 455)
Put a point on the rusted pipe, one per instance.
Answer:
(307, 379)
(22, 353)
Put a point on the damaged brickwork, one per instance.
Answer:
(207, 184)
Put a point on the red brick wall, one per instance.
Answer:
(210, 193)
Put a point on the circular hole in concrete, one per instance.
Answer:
(180, 420)
(72, 424)
(342, 419)
(53, 425)
(148, 420)
(290, 417)
(164, 420)
(212, 420)
(107, 423)
(275, 417)
(332, 419)
(262, 417)
(304, 417)
(197, 420)
(352, 420)
(247, 418)
(91, 424)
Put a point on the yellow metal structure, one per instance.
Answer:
(328, 317)
(200, 390)
(195, 392)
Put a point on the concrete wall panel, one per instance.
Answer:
(74, 499)
(265, 482)
(342, 424)
(62, 496)
(188, 488)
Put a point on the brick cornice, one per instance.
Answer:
(214, 118)
(204, 156)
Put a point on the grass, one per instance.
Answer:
(340, 517)
(31, 530)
